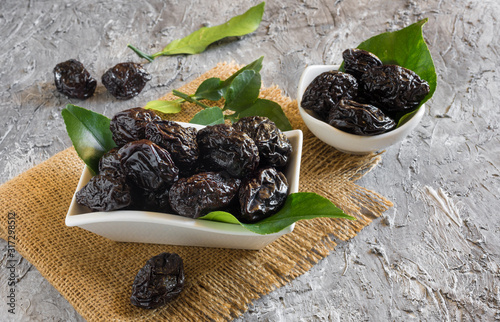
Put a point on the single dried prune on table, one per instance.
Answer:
(104, 193)
(110, 162)
(358, 61)
(274, 146)
(179, 141)
(158, 282)
(393, 88)
(130, 125)
(73, 80)
(147, 165)
(361, 119)
(125, 80)
(203, 192)
(262, 195)
(327, 89)
(224, 148)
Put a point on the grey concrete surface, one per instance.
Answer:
(434, 256)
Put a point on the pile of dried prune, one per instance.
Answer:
(366, 99)
(124, 81)
(159, 165)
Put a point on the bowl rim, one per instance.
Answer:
(80, 216)
(318, 69)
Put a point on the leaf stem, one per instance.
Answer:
(189, 98)
(142, 54)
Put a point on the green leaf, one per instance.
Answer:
(298, 206)
(243, 91)
(168, 107)
(210, 89)
(90, 134)
(189, 98)
(199, 40)
(269, 109)
(256, 66)
(208, 116)
(221, 216)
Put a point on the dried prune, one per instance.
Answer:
(262, 195)
(393, 88)
(327, 89)
(147, 165)
(224, 148)
(73, 80)
(358, 61)
(151, 200)
(274, 146)
(130, 125)
(110, 162)
(125, 80)
(104, 193)
(179, 141)
(362, 119)
(158, 282)
(203, 192)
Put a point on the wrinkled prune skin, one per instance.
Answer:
(109, 163)
(147, 165)
(327, 89)
(130, 125)
(393, 88)
(179, 141)
(73, 80)
(104, 193)
(274, 146)
(262, 195)
(203, 192)
(158, 282)
(125, 80)
(361, 119)
(358, 61)
(224, 148)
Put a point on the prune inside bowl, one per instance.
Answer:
(343, 141)
(162, 228)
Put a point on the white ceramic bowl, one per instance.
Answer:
(346, 142)
(161, 228)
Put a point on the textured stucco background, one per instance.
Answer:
(434, 256)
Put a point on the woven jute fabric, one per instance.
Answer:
(95, 274)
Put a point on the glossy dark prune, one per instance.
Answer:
(224, 148)
(147, 165)
(262, 195)
(158, 282)
(125, 80)
(358, 61)
(179, 141)
(110, 162)
(104, 193)
(327, 89)
(274, 146)
(203, 192)
(73, 80)
(393, 88)
(361, 119)
(130, 125)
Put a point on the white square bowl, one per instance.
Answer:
(161, 228)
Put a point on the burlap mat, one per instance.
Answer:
(95, 274)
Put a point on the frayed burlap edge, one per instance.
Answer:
(95, 274)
